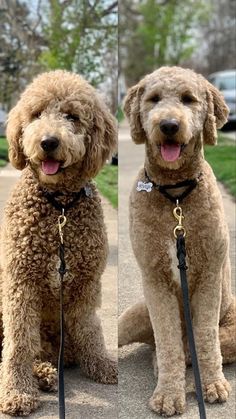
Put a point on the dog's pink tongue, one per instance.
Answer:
(170, 152)
(50, 167)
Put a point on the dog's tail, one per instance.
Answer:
(135, 326)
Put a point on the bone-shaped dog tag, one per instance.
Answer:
(144, 186)
(88, 191)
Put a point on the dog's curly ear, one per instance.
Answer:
(101, 141)
(217, 114)
(14, 137)
(132, 111)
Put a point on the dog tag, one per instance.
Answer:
(144, 186)
(88, 191)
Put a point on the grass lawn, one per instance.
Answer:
(3, 151)
(222, 159)
(107, 183)
(120, 115)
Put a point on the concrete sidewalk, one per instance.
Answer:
(85, 399)
(136, 379)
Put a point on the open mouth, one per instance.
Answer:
(171, 151)
(50, 166)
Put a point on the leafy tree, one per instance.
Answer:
(162, 34)
(79, 34)
(40, 35)
(20, 44)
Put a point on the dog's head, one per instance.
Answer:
(61, 128)
(173, 110)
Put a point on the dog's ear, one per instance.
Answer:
(14, 137)
(101, 141)
(132, 112)
(217, 114)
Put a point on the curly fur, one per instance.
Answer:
(162, 95)
(30, 242)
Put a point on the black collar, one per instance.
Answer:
(190, 183)
(74, 198)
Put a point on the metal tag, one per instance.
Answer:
(88, 191)
(144, 186)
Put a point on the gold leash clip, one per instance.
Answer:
(178, 214)
(61, 224)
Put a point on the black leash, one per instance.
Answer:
(61, 387)
(181, 255)
(179, 233)
(52, 198)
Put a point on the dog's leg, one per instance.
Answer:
(21, 320)
(205, 310)
(86, 334)
(169, 395)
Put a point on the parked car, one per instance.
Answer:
(3, 117)
(225, 81)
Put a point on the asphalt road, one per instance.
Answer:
(136, 379)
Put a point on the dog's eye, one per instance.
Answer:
(155, 99)
(71, 117)
(187, 99)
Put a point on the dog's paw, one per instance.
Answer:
(167, 404)
(46, 375)
(104, 371)
(217, 391)
(18, 404)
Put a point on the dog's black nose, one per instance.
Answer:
(169, 126)
(49, 144)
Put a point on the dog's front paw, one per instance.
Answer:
(167, 404)
(103, 370)
(46, 375)
(217, 391)
(18, 404)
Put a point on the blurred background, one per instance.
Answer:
(41, 35)
(199, 34)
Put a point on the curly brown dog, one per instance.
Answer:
(174, 111)
(60, 133)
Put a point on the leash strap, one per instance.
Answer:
(51, 197)
(181, 255)
(61, 389)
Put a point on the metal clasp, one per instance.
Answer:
(61, 223)
(178, 214)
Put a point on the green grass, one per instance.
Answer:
(3, 148)
(222, 159)
(3, 163)
(120, 115)
(107, 183)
